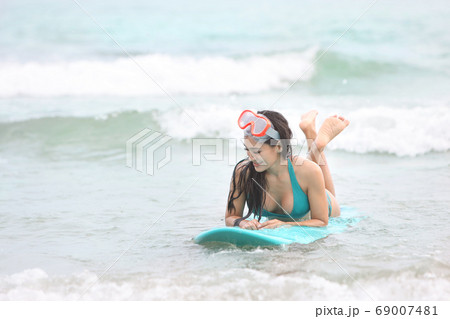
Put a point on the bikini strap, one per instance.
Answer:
(291, 169)
(294, 182)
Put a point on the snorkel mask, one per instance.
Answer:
(257, 125)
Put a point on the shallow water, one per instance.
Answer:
(63, 224)
(70, 207)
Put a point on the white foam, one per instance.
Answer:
(398, 131)
(401, 131)
(233, 284)
(176, 74)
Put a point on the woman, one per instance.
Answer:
(277, 185)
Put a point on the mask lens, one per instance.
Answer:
(245, 119)
(259, 125)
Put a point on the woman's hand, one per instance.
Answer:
(250, 224)
(273, 223)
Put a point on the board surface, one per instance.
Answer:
(278, 236)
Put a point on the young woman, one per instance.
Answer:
(277, 185)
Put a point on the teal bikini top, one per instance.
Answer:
(301, 203)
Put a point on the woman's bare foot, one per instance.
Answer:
(308, 125)
(330, 128)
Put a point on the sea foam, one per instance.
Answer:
(173, 74)
(234, 284)
(400, 131)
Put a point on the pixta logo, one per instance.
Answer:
(142, 148)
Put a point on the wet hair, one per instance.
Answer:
(245, 178)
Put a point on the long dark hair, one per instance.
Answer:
(250, 182)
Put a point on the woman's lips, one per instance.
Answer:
(255, 164)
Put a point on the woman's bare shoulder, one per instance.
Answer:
(305, 167)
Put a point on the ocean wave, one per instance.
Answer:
(176, 74)
(189, 75)
(342, 66)
(398, 131)
(36, 284)
(382, 129)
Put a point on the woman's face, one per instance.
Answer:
(262, 155)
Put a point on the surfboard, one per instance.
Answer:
(284, 235)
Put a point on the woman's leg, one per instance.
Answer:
(330, 128)
(319, 158)
(329, 186)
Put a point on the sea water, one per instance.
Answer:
(76, 83)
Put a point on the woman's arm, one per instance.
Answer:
(232, 214)
(317, 199)
(239, 203)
